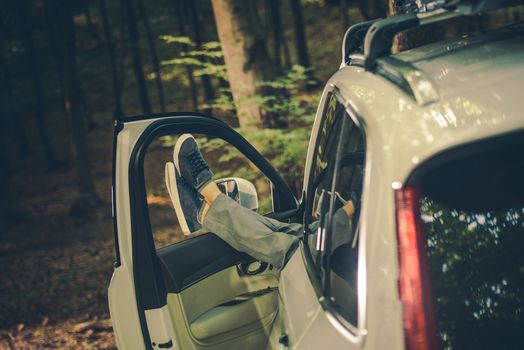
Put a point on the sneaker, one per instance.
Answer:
(190, 163)
(186, 200)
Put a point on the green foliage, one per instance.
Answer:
(285, 148)
(207, 60)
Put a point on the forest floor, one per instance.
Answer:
(54, 267)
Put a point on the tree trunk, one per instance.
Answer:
(56, 47)
(276, 26)
(90, 25)
(209, 94)
(87, 198)
(117, 90)
(26, 35)
(180, 19)
(300, 35)
(379, 8)
(246, 59)
(134, 43)
(121, 51)
(154, 57)
(12, 116)
(287, 56)
(344, 13)
(7, 210)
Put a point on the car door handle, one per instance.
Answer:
(284, 340)
(251, 269)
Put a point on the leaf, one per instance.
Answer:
(177, 39)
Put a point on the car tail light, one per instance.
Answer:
(414, 286)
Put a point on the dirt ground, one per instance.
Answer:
(55, 268)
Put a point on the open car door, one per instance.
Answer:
(194, 293)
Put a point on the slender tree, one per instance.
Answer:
(8, 210)
(276, 30)
(110, 46)
(181, 24)
(91, 28)
(377, 8)
(54, 35)
(209, 94)
(87, 197)
(344, 13)
(411, 38)
(134, 43)
(300, 34)
(12, 117)
(25, 29)
(153, 52)
(6, 200)
(246, 58)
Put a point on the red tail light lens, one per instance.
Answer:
(414, 286)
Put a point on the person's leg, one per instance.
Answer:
(263, 238)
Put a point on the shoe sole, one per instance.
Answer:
(172, 189)
(176, 150)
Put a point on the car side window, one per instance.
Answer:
(334, 196)
(321, 178)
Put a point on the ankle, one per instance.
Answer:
(210, 192)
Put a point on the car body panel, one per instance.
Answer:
(400, 136)
(472, 62)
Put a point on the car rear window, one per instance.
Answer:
(472, 211)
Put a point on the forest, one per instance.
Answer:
(70, 68)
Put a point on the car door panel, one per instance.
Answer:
(192, 260)
(221, 309)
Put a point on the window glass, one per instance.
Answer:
(223, 159)
(336, 188)
(321, 176)
(342, 246)
(472, 211)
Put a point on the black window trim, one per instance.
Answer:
(355, 333)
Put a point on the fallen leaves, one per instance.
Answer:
(93, 334)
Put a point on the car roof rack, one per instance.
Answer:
(379, 37)
(364, 42)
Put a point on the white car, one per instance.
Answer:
(428, 143)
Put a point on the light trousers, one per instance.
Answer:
(265, 239)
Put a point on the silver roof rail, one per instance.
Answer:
(379, 36)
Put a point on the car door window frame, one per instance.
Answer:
(354, 332)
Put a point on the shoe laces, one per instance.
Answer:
(183, 183)
(197, 163)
